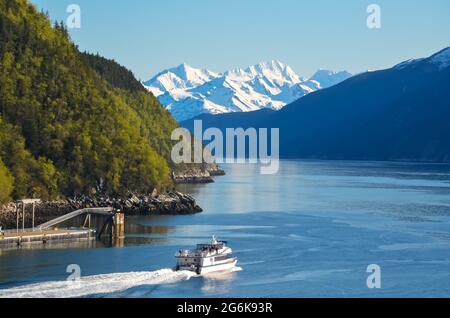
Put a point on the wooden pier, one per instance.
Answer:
(43, 237)
(84, 224)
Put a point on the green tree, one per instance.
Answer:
(6, 184)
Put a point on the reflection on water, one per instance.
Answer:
(137, 232)
(219, 283)
(140, 227)
(139, 239)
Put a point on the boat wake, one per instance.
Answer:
(98, 284)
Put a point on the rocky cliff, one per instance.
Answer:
(191, 174)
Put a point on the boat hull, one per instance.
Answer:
(211, 268)
(218, 268)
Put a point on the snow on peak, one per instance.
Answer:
(328, 78)
(275, 71)
(188, 92)
(407, 63)
(192, 75)
(441, 59)
(181, 77)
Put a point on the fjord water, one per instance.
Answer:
(310, 230)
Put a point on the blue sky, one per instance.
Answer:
(150, 35)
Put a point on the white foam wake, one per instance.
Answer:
(98, 284)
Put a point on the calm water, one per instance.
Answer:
(310, 230)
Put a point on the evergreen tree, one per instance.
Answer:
(6, 183)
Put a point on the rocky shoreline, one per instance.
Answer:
(197, 174)
(169, 203)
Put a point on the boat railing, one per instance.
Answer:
(191, 254)
(196, 254)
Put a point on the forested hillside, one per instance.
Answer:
(72, 122)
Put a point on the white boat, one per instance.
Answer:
(214, 256)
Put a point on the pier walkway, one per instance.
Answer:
(43, 237)
(88, 223)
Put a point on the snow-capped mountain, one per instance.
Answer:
(181, 77)
(327, 78)
(441, 60)
(298, 90)
(188, 92)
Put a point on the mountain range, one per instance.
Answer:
(188, 92)
(400, 113)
